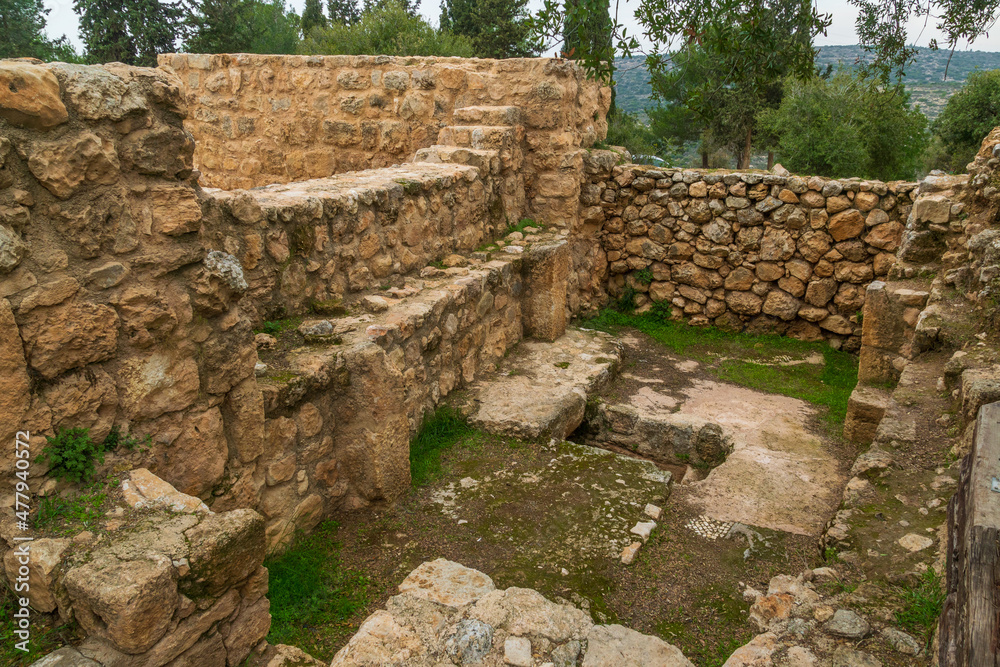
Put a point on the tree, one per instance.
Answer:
(386, 30)
(242, 26)
(497, 28)
(734, 58)
(845, 126)
(128, 31)
(22, 23)
(882, 30)
(345, 12)
(968, 116)
(409, 6)
(312, 17)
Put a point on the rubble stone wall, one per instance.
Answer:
(116, 311)
(262, 119)
(321, 240)
(754, 251)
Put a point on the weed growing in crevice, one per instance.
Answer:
(72, 455)
(922, 606)
(439, 432)
(312, 597)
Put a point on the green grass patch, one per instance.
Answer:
(922, 606)
(65, 517)
(735, 357)
(312, 597)
(520, 226)
(44, 638)
(439, 432)
(276, 327)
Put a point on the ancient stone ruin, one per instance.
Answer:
(155, 222)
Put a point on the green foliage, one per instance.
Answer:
(440, 431)
(44, 638)
(497, 28)
(276, 327)
(922, 606)
(22, 24)
(242, 26)
(312, 16)
(386, 30)
(129, 31)
(68, 516)
(312, 596)
(625, 303)
(345, 12)
(967, 118)
(71, 454)
(733, 60)
(523, 224)
(829, 385)
(625, 129)
(660, 312)
(843, 126)
(882, 27)
(643, 276)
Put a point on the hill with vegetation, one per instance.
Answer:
(924, 78)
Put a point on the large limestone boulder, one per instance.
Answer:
(29, 96)
(447, 613)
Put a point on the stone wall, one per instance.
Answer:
(116, 311)
(325, 239)
(164, 581)
(755, 251)
(259, 119)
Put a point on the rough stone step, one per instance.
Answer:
(495, 137)
(541, 389)
(865, 409)
(486, 160)
(487, 115)
(443, 328)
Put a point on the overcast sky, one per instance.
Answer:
(63, 21)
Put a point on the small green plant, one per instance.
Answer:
(71, 454)
(626, 302)
(561, 364)
(643, 276)
(660, 312)
(440, 431)
(116, 439)
(69, 516)
(922, 606)
(522, 224)
(275, 327)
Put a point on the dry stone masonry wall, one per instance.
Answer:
(259, 120)
(755, 251)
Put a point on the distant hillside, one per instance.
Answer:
(924, 78)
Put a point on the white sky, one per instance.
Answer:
(63, 21)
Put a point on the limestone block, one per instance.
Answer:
(225, 549)
(621, 646)
(68, 336)
(29, 96)
(248, 629)
(62, 166)
(447, 583)
(144, 489)
(129, 603)
(196, 459)
(43, 558)
(543, 305)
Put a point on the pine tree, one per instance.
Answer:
(22, 24)
(242, 26)
(410, 6)
(345, 12)
(128, 31)
(497, 28)
(312, 17)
